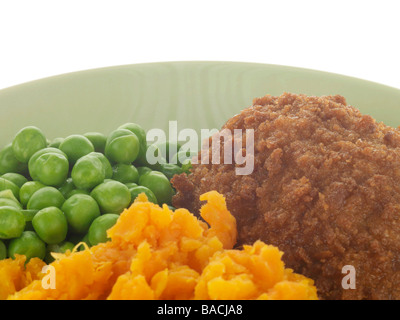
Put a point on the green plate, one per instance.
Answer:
(196, 94)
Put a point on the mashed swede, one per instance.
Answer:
(155, 253)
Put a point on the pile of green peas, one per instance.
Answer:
(56, 194)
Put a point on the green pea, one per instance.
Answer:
(3, 250)
(169, 170)
(140, 189)
(5, 202)
(50, 168)
(80, 211)
(125, 173)
(182, 156)
(112, 196)
(46, 197)
(29, 245)
(27, 190)
(51, 225)
(156, 155)
(55, 143)
(136, 129)
(168, 149)
(41, 152)
(8, 185)
(12, 222)
(76, 191)
(98, 229)
(108, 171)
(27, 141)
(122, 146)
(9, 195)
(98, 140)
(67, 187)
(17, 178)
(131, 185)
(143, 170)
(140, 134)
(62, 247)
(76, 146)
(88, 172)
(9, 163)
(44, 166)
(159, 184)
(159, 165)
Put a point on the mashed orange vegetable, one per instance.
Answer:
(155, 253)
(15, 275)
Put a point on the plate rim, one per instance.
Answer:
(194, 62)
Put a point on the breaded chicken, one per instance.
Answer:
(325, 189)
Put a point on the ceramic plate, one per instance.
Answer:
(196, 94)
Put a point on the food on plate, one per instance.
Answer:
(122, 146)
(97, 139)
(27, 190)
(88, 172)
(76, 146)
(18, 179)
(159, 184)
(62, 247)
(111, 196)
(9, 163)
(136, 190)
(45, 197)
(26, 142)
(6, 184)
(156, 253)
(125, 173)
(12, 222)
(80, 211)
(51, 225)
(54, 191)
(99, 227)
(325, 190)
(49, 166)
(29, 245)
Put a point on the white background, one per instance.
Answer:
(44, 38)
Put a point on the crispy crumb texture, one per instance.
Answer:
(325, 190)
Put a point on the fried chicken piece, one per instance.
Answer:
(325, 189)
